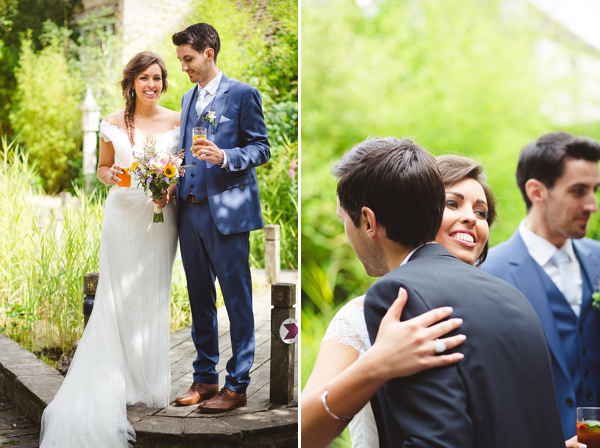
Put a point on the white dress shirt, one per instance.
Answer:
(211, 90)
(542, 251)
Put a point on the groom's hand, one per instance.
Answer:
(204, 149)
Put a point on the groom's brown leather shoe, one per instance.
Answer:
(224, 401)
(197, 393)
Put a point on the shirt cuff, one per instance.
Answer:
(224, 163)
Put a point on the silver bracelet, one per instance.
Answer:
(324, 401)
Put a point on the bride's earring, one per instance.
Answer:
(133, 94)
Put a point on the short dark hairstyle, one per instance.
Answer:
(399, 181)
(544, 159)
(200, 36)
(457, 168)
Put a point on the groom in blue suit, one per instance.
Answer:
(557, 269)
(217, 206)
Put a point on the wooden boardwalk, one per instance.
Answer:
(259, 423)
(31, 385)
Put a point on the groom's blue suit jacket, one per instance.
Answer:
(500, 395)
(574, 342)
(240, 131)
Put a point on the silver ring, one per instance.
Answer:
(439, 347)
(110, 175)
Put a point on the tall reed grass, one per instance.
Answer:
(45, 251)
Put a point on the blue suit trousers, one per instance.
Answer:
(206, 253)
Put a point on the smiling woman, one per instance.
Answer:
(470, 209)
(123, 356)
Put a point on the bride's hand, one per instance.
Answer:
(114, 172)
(405, 348)
(164, 199)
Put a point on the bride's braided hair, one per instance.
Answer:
(134, 67)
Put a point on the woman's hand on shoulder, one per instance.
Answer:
(403, 348)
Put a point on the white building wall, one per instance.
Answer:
(147, 22)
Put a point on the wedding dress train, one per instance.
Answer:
(123, 356)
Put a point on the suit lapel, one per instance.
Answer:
(187, 101)
(524, 270)
(220, 99)
(590, 264)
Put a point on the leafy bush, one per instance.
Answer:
(46, 113)
(18, 17)
(278, 184)
(282, 122)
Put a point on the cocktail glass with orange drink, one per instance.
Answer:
(588, 426)
(125, 178)
(199, 132)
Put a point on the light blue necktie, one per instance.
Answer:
(569, 289)
(201, 95)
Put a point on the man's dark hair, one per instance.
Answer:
(544, 159)
(399, 181)
(200, 36)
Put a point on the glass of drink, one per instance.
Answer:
(588, 426)
(125, 178)
(199, 133)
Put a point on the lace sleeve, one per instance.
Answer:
(105, 131)
(349, 325)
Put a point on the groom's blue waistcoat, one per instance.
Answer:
(194, 180)
(574, 341)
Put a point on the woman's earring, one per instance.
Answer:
(132, 93)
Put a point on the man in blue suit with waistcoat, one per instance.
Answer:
(217, 206)
(557, 269)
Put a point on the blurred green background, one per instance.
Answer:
(457, 76)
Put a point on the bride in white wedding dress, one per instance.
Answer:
(123, 356)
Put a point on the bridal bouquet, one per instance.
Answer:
(157, 172)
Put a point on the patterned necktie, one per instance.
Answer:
(201, 95)
(569, 289)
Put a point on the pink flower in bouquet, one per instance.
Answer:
(157, 172)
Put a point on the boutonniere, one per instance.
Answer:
(596, 295)
(210, 116)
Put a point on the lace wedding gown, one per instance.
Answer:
(349, 325)
(123, 356)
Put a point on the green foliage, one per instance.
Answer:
(278, 185)
(44, 253)
(16, 18)
(457, 76)
(46, 111)
(282, 122)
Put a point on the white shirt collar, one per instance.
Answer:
(540, 249)
(410, 254)
(213, 84)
